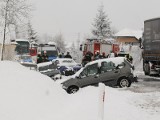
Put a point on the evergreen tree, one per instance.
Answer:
(101, 25)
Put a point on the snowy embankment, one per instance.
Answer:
(29, 95)
(136, 53)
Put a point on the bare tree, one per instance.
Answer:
(12, 12)
(60, 42)
(32, 35)
(101, 24)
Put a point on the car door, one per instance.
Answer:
(108, 72)
(89, 76)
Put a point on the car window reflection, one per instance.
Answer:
(90, 70)
(107, 66)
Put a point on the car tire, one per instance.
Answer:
(72, 89)
(124, 82)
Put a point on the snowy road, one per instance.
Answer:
(146, 84)
(149, 90)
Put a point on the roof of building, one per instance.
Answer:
(129, 33)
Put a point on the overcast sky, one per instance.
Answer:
(71, 17)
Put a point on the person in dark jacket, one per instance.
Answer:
(97, 56)
(39, 58)
(103, 55)
(129, 58)
(87, 58)
(68, 55)
(45, 57)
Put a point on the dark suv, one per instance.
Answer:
(112, 72)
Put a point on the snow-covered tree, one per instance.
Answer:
(59, 40)
(32, 35)
(101, 24)
(12, 12)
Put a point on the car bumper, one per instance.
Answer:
(64, 87)
(133, 79)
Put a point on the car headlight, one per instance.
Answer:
(64, 87)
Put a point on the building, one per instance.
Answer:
(128, 36)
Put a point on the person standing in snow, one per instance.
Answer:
(129, 58)
(68, 55)
(97, 56)
(87, 58)
(45, 57)
(39, 58)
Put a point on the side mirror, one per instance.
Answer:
(117, 67)
(78, 77)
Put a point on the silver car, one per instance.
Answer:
(112, 72)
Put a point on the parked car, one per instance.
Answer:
(67, 66)
(111, 71)
(49, 69)
(25, 59)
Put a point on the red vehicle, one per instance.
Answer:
(33, 53)
(96, 45)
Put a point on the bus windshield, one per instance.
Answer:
(22, 47)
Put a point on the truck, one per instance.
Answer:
(97, 45)
(151, 46)
(50, 48)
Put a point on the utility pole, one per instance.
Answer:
(5, 25)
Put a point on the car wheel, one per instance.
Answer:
(72, 90)
(124, 82)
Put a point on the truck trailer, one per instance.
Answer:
(151, 46)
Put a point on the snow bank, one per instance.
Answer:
(29, 95)
(136, 53)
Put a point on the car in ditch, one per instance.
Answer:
(110, 71)
(49, 69)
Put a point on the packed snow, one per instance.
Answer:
(29, 95)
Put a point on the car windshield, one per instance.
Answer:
(25, 57)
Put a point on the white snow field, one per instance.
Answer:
(28, 95)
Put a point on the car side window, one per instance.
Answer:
(107, 66)
(84, 73)
(90, 70)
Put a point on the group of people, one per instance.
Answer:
(89, 56)
(42, 57)
(61, 55)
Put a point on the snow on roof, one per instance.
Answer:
(52, 43)
(116, 60)
(22, 40)
(129, 33)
